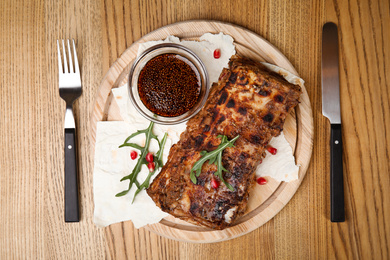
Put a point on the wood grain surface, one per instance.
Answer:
(31, 125)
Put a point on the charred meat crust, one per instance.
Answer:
(249, 101)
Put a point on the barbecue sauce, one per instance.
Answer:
(169, 85)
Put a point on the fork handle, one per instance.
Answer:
(71, 187)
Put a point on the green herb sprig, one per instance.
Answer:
(213, 157)
(132, 177)
(158, 164)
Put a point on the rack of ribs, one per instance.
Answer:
(249, 101)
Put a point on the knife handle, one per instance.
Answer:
(337, 213)
(71, 187)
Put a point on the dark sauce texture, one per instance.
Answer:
(168, 85)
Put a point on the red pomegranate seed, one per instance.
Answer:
(217, 53)
(272, 150)
(133, 155)
(261, 181)
(151, 166)
(214, 183)
(149, 157)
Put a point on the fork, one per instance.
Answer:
(70, 90)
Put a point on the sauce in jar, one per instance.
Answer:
(169, 85)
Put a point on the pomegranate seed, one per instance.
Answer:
(133, 155)
(149, 157)
(261, 181)
(214, 183)
(151, 166)
(272, 150)
(217, 53)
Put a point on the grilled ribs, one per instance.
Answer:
(250, 101)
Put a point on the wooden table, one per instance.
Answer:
(31, 125)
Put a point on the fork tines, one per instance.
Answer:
(67, 56)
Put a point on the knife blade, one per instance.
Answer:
(331, 110)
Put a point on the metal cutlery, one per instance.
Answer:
(331, 110)
(70, 90)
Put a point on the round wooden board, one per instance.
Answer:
(265, 201)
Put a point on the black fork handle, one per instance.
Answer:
(71, 186)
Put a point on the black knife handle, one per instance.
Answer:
(337, 213)
(71, 187)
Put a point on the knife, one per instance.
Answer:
(331, 110)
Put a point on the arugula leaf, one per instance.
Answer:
(132, 177)
(213, 157)
(158, 163)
